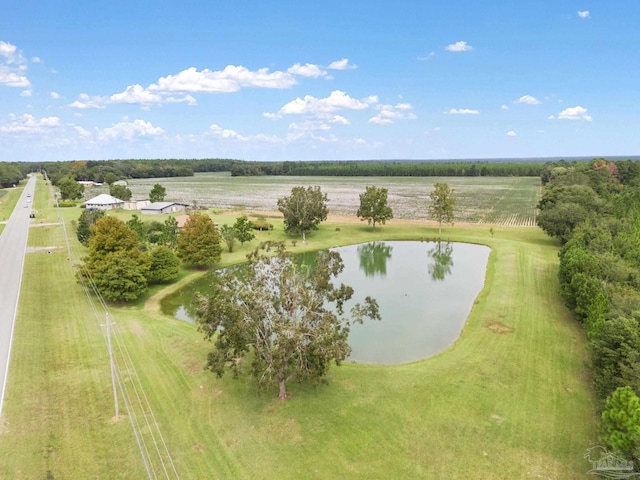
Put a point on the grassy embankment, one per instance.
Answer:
(8, 200)
(509, 400)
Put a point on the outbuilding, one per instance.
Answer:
(156, 208)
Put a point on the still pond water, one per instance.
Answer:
(425, 291)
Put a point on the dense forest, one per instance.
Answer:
(398, 168)
(594, 210)
(11, 173)
(102, 171)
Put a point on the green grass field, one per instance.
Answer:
(511, 399)
(8, 199)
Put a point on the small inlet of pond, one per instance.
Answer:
(425, 291)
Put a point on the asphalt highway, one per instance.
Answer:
(13, 244)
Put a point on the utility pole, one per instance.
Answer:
(113, 368)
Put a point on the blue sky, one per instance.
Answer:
(318, 80)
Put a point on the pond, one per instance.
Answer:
(425, 291)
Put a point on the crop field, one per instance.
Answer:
(509, 201)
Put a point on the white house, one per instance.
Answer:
(164, 207)
(104, 202)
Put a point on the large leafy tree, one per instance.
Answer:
(229, 236)
(615, 354)
(170, 232)
(303, 210)
(111, 234)
(120, 277)
(154, 232)
(86, 220)
(110, 177)
(115, 262)
(120, 191)
(288, 319)
(373, 206)
(442, 203)
(165, 265)
(244, 229)
(70, 189)
(564, 207)
(157, 193)
(138, 226)
(198, 242)
(620, 424)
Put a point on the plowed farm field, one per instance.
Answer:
(482, 200)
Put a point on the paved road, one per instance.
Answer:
(13, 243)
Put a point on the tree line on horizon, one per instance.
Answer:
(100, 170)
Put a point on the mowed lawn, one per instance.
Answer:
(511, 399)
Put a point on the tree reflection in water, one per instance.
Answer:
(374, 257)
(442, 262)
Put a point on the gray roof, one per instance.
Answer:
(161, 205)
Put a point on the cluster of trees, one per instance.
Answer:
(241, 231)
(107, 171)
(413, 168)
(306, 207)
(594, 210)
(124, 258)
(11, 174)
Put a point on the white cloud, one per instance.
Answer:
(129, 130)
(36, 60)
(462, 111)
(512, 133)
(229, 80)
(323, 107)
(12, 66)
(228, 134)
(10, 53)
(81, 131)
(26, 93)
(339, 119)
(460, 46)
(423, 58)
(528, 99)
(309, 125)
(85, 101)
(504, 107)
(135, 94)
(306, 70)
(342, 64)
(12, 78)
(54, 95)
(29, 124)
(575, 113)
(387, 114)
(584, 14)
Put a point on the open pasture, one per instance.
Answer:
(484, 200)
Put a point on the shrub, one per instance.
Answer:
(261, 225)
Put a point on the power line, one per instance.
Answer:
(154, 451)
